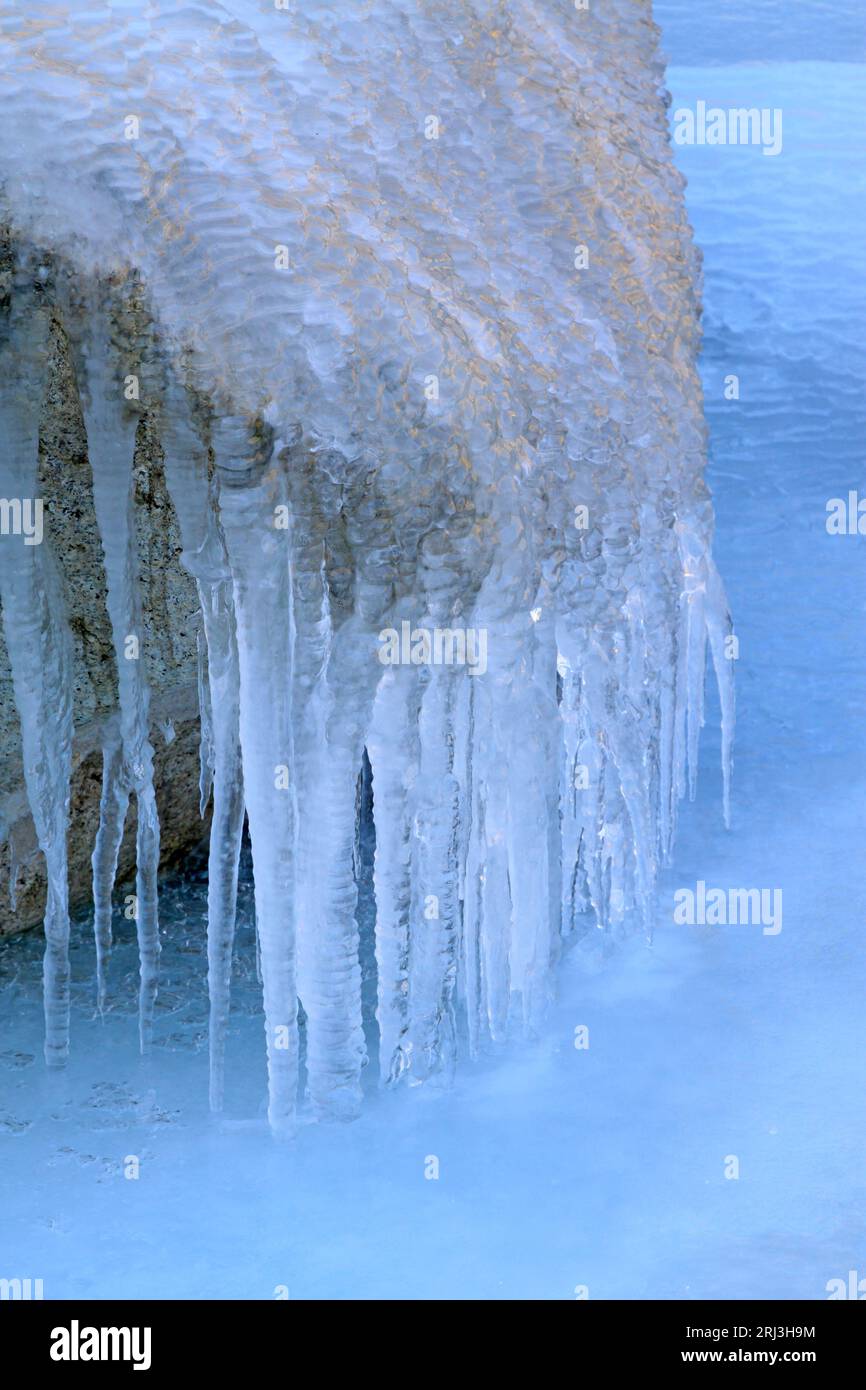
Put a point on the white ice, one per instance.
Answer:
(443, 309)
(558, 1167)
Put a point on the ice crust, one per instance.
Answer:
(413, 297)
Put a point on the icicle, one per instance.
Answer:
(336, 674)
(392, 746)
(706, 616)
(501, 702)
(719, 630)
(14, 861)
(112, 815)
(220, 748)
(228, 819)
(259, 561)
(205, 716)
(39, 647)
(667, 753)
(329, 970)
(695, 642)
(533, 808)
(215, 592)
(581, 770)
(147, 904)
(467, 984)
(40, 657)
(433, 950)
(487, 886)
(438, 836)
(496, 903)
(111, 430)
(472, 861)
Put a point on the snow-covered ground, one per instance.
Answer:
(561, 1167)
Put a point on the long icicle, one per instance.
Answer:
(210, 566)
(111, 430)
(392, 746)
(40, 655)
(258, 556)
(113, 805)
(219, 711)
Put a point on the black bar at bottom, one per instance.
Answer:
(63, 1337)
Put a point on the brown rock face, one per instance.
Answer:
(168, 608)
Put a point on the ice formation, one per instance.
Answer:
(408, 292)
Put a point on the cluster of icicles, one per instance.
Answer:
(411, 302)
(512, 803)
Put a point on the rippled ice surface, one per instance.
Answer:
(561, 1167)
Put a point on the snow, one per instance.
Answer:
(558, 1166)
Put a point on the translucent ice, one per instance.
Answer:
(429, 266)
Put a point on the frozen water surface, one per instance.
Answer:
(561, 1167)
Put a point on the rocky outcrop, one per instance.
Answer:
(170, 624)
(434, 277)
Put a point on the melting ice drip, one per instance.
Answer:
(411, 299)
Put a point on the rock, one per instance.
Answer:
(170, 623)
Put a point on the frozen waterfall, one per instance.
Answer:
(410, 303)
